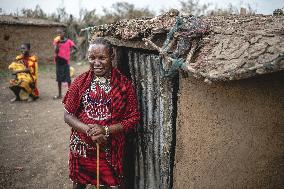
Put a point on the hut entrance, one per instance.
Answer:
(149, 163)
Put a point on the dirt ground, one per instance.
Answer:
(34, 137)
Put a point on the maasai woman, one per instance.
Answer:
(24, 84)
(100, 107)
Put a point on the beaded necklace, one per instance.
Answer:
(97, 100)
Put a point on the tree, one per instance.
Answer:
(62, 15)
(88, 18)
(193, 7)
(36, 13)
(231, 9)
(123, 10)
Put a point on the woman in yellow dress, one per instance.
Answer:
(25, 68)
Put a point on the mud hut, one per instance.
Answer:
(16, 30)
(211, 97)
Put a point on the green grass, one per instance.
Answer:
(4, 74)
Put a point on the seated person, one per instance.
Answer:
(25, 68)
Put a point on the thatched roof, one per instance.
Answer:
(235, 46)
(14, 20)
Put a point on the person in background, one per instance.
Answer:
(25, 68)
(62, 47)
(100, 107)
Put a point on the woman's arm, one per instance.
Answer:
(129, 120)
(116, 128)
(132, 114)
(100, 130)
(27, 70)
(73, 122)
(74, 49)
(56, 48)
(98, 133)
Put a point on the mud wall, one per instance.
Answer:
(40, 37)
(230, 135)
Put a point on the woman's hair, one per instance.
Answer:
(103, 41)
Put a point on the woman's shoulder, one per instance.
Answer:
(33, 58)
(123, 79)
(69, 41)
(81, 78)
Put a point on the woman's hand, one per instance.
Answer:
(101, 139)
(97, 133)
(94, 129)
(56, 48)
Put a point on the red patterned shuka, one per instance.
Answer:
(103, 102)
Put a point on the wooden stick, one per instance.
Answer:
(160, 50)
(98, 165)
(152, 44)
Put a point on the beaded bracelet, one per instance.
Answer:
(106, 131)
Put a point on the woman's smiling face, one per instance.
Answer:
(100, 59)
(24, 50)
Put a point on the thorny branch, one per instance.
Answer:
(185, 40)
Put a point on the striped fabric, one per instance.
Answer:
(123, 109)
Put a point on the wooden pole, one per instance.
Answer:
(98, 165)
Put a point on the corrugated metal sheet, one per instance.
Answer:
(154, 140)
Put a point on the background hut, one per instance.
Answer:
(16, 30)
(226, 132)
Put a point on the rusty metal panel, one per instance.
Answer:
(154, 141)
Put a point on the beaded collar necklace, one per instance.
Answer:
(101, 79)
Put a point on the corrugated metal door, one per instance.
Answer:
(154, 142)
